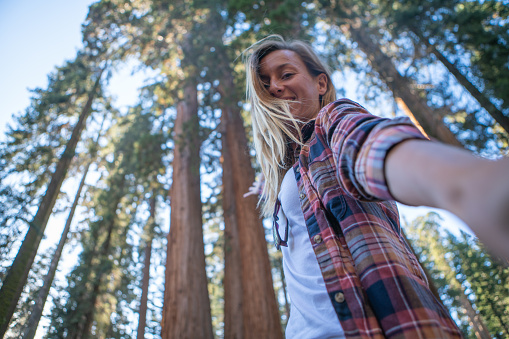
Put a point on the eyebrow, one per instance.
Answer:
(283, 65)
(278, 68)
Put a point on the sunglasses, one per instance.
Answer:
(278, 241)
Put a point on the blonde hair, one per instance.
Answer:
(274, 127)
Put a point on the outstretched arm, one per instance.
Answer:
(475, 189)
(390, 159)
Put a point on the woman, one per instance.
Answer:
(332, 172)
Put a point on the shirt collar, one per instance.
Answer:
(307, 131)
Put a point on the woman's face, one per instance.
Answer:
(286, 77)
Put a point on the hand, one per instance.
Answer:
(485, 204)
(255, 189)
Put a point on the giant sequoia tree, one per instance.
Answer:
(247, 268)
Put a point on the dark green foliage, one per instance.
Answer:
(33, 143)
(481, 29)
(461, 268)
(473, 37)
(487, 281)
(101, 285)
(397, 28)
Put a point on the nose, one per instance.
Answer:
(275, 89)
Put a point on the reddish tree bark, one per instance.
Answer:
(414, 106)
(186, 310)
(481, 98)
(480, 329)
(251, 309)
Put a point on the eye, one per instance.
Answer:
(285, 76)
(265, 82)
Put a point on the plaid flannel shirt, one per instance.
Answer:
(374, 281)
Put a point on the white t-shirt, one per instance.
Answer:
(311, 311)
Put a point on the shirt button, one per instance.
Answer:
(302, 196)
(317, 238)
(340, 297)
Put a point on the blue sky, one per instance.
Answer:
(35, 36)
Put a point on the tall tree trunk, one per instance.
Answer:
(35, 315)
(481, 331)
(246, 255)
(480, 328)
(76, 313)
(149, 233)
(416, 108)
(18, 272)
(432, 242)
(495, 309)
(412, 105)
(233, 318)
(283, 286)
(186, 309)
(81, 316)
(497, 114)
(85, 326)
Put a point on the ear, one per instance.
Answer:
(322, 83)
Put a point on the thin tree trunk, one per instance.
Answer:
(35, 315)
(417, 109)
(497, 114)
(479, 326)
(18, 272)
(496, 312)
(232, 282)
(414, 106)
(245, 237)
(83, 313)
(472, 325)
(86, 325)
(186, 310)
(283, 286)
(481, 331)
(146, 268)
(76, 326)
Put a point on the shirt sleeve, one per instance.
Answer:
(360, 143)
